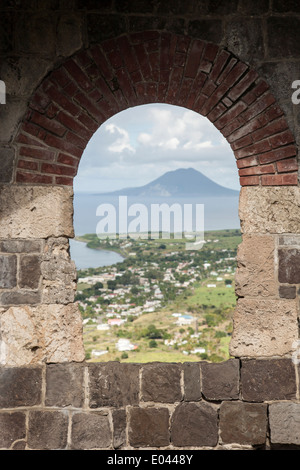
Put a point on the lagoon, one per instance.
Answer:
(85, 257)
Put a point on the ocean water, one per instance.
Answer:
(219, 214)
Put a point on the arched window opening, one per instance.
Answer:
(156, 235)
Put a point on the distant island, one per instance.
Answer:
(183, 182)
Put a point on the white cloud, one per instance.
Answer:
(122, 141)
(140, 144)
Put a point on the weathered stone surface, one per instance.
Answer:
(21, 246)
(8, 271)
(47, 430)
(148, 427)
(269, 379)
(191, 378)
(161, 382)
(58, 272)
(284, 423)
(12, 428)
(194, 424)
(29, 272)
(90, 431)
(270, 209)
(21, 297)
(64, 385)
(288, 266)
(7, 156)
(44, 333)
(220, 381)
(243, 423)
(289, 240)
(287, 28)
(255, 275)
(20, 386)
(113, 384)
(287, 292)
(36, 211)
(264, 327)
(69, 34)
(119, 428)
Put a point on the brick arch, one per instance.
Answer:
(154, 67)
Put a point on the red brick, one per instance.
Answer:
(283, 138)
(28, 165)
(64, 181)
(193, 59)
(278, 154)
(232, 113)
(78, 75)
(246, 162)
(216, 112)
(215, 98)
(39, 154)
(40, 101)
(142, 57)
(210, 52)
(232, 126)
(52, 111)
(101, 62)
(73, 124)
(196, 89)
(184, 92)
(242, 142)
(154, 62)
(25, 139)
(249, 180)
(88, 106)
(247, 128)
(115, 59)
(257, 170)
(227, 69)
(272, 128)
(126, 85)
(128, 54)
(76, 140)
(238, 70)
(83, 58)
(219, 65)
(22, 177)
(290, 164)
(58, 169)
(167, 51)
(60, 77)
(183, 44)
(67, 160)
(255, 92)
(208, 88)
(88, 122)
(280, 180)
(242, 85)
(253, 149)
(63, 145)
(259, 106)
(65, 103)
(34, 130)
(49, 124)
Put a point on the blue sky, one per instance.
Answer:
(140, 144)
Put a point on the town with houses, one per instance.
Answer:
(162, 302)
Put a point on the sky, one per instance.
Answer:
(138, 145)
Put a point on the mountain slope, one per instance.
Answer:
(178, 183)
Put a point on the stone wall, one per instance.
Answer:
(68, 66)
(247, 404)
